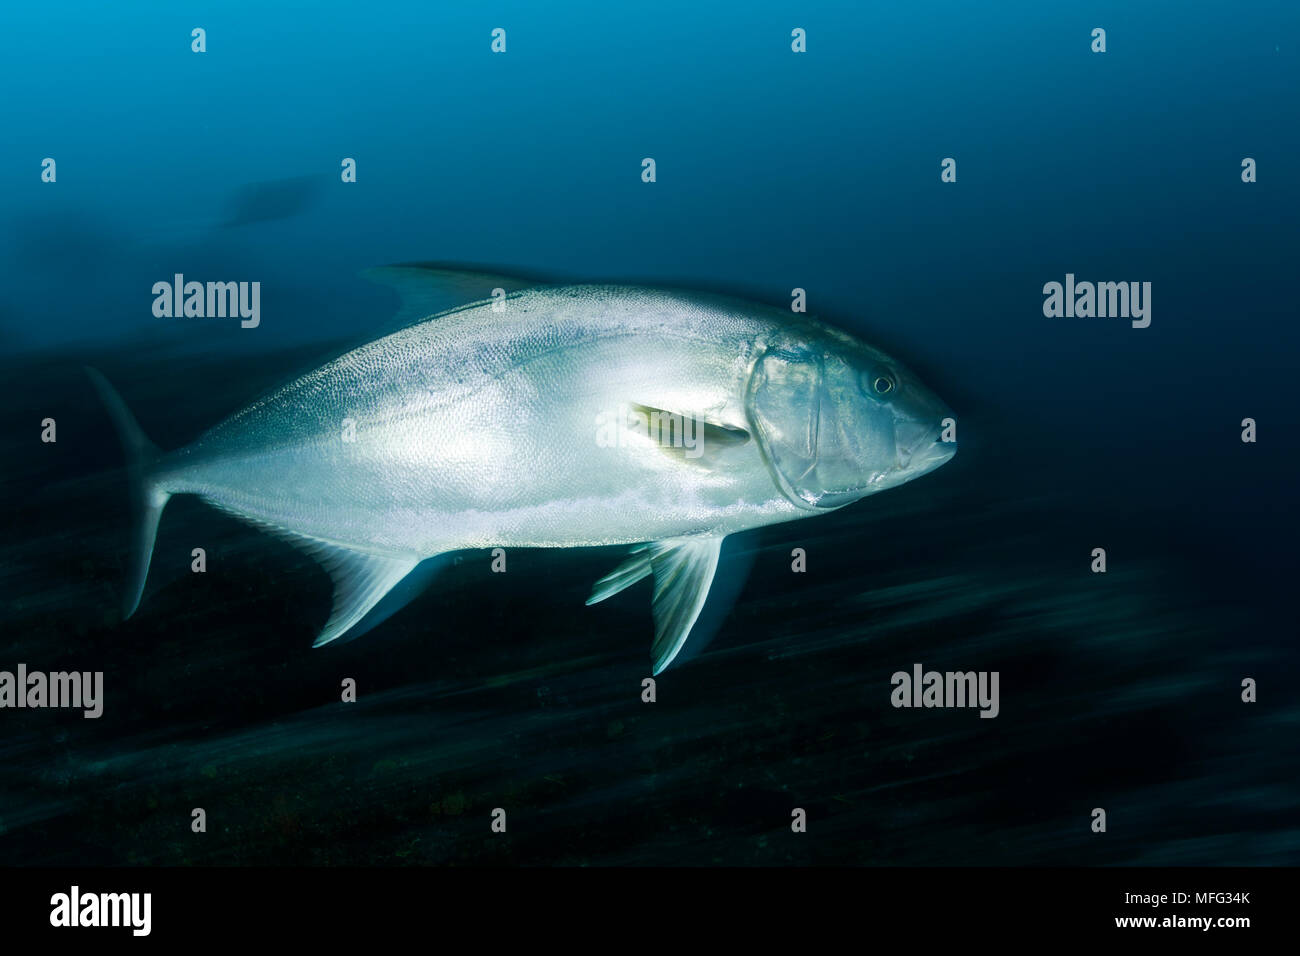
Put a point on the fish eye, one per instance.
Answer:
(879, 383)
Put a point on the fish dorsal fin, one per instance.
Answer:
(428, 288)
(360, 580)
(683, 569)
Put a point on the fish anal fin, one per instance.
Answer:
(401, 594)
(361, 579)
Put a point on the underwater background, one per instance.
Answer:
(775, 170)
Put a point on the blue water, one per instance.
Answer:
(775, 170)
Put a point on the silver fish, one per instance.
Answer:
(553, 417)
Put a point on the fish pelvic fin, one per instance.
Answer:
(148, 498)
(683, 570)
(633, 569)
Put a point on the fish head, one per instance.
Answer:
(838, 419)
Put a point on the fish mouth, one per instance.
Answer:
(921, 447)
(931, 457)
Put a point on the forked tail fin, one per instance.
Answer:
(147, 499)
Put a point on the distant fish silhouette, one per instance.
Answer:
(272, 200)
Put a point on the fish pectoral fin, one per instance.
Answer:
(683, 570)
(686, 438)
(427, 288)
(361, 580)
